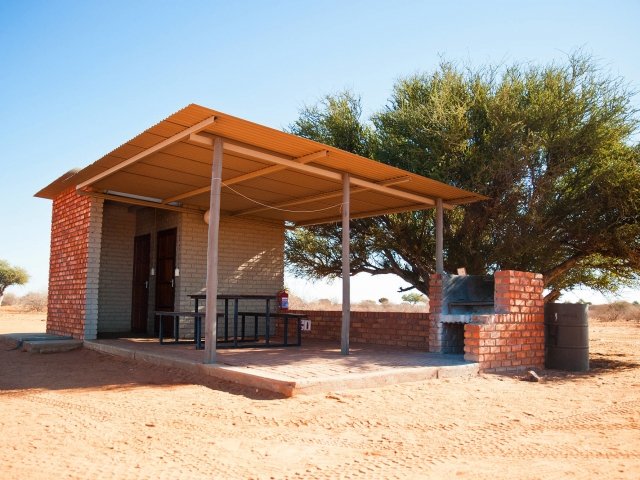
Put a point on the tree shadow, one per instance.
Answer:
(600, 363)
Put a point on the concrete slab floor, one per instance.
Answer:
(316, 366)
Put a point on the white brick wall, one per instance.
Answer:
(251, 262)
(116, 268)
(93, 269)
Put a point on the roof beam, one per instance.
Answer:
(145, 153)
(241, 178)
(330, 175)
(372, 213)
(276, 168)
(280, 164)
(136, 201)
(321, 196)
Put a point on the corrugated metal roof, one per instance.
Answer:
(183, 166)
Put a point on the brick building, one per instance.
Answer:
(129, 235)
(92, 262)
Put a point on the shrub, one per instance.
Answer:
(615, 312)
(10, 299)
(34, 301)
(368, 303)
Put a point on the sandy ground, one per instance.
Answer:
(14, 320)
(85, 415)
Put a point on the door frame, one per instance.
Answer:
(143, 321)
(168, 330)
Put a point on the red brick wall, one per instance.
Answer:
(379, 328)
(506, 345)
(518, 292)
(68, 264)
(513, 338)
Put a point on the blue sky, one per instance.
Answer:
(78, 79)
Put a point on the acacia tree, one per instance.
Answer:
(551, 146)
(11, 276)
(414, 298)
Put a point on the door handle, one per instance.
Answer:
(146, 284)
(172, 282)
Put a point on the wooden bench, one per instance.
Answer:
(197, 330)
(256, 315)
(197, 327)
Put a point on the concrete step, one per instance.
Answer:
(51, 346)
(16, 340)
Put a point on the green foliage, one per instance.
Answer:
(383, 300)
(335, 121)
(413, 298)
(550, 145)
(11, 276)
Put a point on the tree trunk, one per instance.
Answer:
(552, 296)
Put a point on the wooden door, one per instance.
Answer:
(165, 281)
(140, 298)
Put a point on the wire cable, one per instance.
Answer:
(276, 208)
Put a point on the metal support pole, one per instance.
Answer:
(211, 326)
(346, 271)
(439, 237)
(226, 319)
(235, 322)
(267, 321)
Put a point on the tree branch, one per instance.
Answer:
(552, 296)
(558, 270)
(400, 290)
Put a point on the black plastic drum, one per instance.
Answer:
(566, 336)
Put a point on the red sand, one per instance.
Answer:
(85, 415)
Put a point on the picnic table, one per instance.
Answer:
(239, 338)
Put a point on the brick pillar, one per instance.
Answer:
(518, 292)
(472, 342)
(74, 264)
(513, 338)
(435, 309)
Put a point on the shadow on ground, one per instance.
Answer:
(599, 363)
(83, 369)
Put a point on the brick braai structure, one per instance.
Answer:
(510, 339)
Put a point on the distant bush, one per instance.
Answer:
(383, 300)
(368, 304)
(10, 299)
(34, 301)
(324, 304)
(616, 312)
